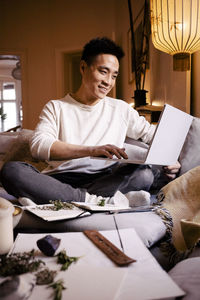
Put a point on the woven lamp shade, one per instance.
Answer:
(175, 27)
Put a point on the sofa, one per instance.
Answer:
(15, 146)
(148, 225)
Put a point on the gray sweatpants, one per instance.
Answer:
(23, 180)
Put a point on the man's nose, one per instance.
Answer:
(108, 79)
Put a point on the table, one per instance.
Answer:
(150, 112)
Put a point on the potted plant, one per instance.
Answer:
(140, 56)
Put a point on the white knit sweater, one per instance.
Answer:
(109, 121)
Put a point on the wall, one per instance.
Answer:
(40, 31)
(37, 30)
(162, 83)
(127, 88)
(195, 89)
(168, 86)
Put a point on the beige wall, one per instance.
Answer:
(195, 84)
(166, 85)
(162, 83)
(40, 31)
(122, 27)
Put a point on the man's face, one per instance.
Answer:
(99, 77)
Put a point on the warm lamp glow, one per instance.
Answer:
(175, 27)
(157, 102)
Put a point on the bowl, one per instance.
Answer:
(17, 214)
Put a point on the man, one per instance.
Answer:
(86, 123)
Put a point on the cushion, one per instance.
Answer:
(5, 195)
(186, 274)
(190, 154)
(148, 225)
(179, 206)
(7, 140)
(20, 151)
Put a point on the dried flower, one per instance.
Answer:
(58, 287)
(57, 205)
(19, 263)
(65, 260)
(45, 276)
(101, 202)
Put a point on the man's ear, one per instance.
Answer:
(83, 65)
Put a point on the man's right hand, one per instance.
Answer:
(63, 151)
(108, 151)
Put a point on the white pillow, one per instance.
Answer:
(186, 274)
(148, 225)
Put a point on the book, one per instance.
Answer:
(97, 208)
(111, 208)
(46, 212)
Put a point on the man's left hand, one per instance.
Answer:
(171, 171)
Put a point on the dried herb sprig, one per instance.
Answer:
(19, 263)
(58, 287)
(45, 276)
(101, 202)
(65, 260)
(57, 205)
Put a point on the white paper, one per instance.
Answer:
(85, 284)
(144, 279)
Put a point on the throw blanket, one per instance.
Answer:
(179, 207)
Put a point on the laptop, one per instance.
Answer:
(167, 142)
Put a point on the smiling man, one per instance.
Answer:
(83, 124)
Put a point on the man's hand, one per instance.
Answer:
(63, 151)
(171, 171)
(108, 151)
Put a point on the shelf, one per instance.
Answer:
(150, 112)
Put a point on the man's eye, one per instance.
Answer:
(103, 72)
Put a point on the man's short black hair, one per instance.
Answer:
(101, 46)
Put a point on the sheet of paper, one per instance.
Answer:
(55, 215)
(83, 283)
(144, 279)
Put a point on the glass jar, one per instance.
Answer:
(6, 225)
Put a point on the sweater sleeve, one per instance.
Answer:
(139, 128)
(46, 132)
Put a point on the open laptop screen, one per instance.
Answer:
(169, 136)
